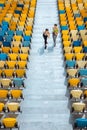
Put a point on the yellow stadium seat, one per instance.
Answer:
(2, 107)
(13, 56)
(3, 94)
(22, 64)
(85, 93)
(65, 37)
(85, 43)
(1, 73)
(77, 49)
(11, 64)
(23, 56)
(63, 23)
(27, 32)
(16, 94)
(21, 23)
(5, 49)
(79, 56)
(17, 38)
(20, 73)
(73, 82)
(9, 122)
(69, 56)
(65, 32)
(66, 43)
(15, 49)
(80, 22)
(8, 73)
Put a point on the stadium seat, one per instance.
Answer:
(13, 56)
(2, 64)
(23, 56)
(82, 72)
(73, 82)
(10, 64)
(21, 65)
(9, 122)
(83, 82)
(20, 73)
(13, 107)
(16, 94)
(69, 56)
(2, 107)
(5, 83)
(4, 94)
(72, 72)
(79, 56)
(3, 56)
(70, 64)
(18, 82)
(78, 107)
(24, 50)
(76, 94)
(15, 49)
(80, 123)
(77, 49)
(6, 50)
(9, 73)
(81, 64)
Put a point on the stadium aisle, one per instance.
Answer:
(45, 105)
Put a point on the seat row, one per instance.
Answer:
(13, 64)
(14, 56)
(15, 49)
(16, 27)
(73, 26)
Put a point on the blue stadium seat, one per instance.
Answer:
(27, 38)
(61, 11)
(64, 27)
(18, 11)
(5, 23)
(1, 38)
(81, 27)
(3, 56)
(4, 27)
(8, 38)
(84, 82)
(2, 5)
(26, 43)
(76, 43)
(85, 19)
(18, 82)
(85, 49)
(19, 32)
(76, 15)
(82, 72)
(20, 5)
(10, 32)
(2, 33)
(6, 44)
(81, 123)
(70, 63)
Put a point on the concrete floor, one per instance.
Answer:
(45, 105)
